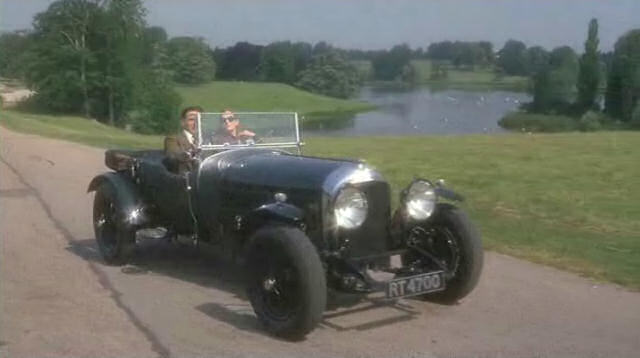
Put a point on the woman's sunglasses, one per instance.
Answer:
(229, 119)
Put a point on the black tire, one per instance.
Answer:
(116, 242)
(286, 282)
(465, 262)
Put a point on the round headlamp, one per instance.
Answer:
(350, 208)
(420, 200)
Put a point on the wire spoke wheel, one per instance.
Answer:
(115, 242)
(448, 242)
(286, 281)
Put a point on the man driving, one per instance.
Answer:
(231, 132)
(181, 148)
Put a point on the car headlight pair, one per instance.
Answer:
(420, 200)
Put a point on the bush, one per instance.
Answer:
(526, 122)
(590, 121)
(635, 117)
(156, 105)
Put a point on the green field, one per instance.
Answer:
(569, 200)
(480, 78)
(259, 96)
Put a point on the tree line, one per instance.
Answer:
(100, 58)
(570, 84)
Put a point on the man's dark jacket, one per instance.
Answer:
(177, 148)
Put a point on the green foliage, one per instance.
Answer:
(536, 60)
(591, 121)
(331, 75)
(635, 117)
(589, 75)
(239, 62)
(189, 60)
(529, 122)
(388, 65)
(623, 84)
(13, 54)
(462, 53)
(64, 66)
(511, 58)
(156, 104)
(282, 61)
(555, 85)
(410, 74)
(438, 71)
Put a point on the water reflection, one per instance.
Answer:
(422, 110)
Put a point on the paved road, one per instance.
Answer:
(58, 299)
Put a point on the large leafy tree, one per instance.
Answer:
(190, 60)
(330, 74)
(623, 85)
(87, 57)
(511, 58)
(555, 85)
(282, 61)
(65, 68)
(388, 65)
(239, 62)
(13, 49)
(589, 76)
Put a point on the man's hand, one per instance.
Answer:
(246, 133)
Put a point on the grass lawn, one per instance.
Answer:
(569, 200)
(479, 78)
(257, 96)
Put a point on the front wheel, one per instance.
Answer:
(286, 281)
(452, 239)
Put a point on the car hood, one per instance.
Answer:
(262, 167)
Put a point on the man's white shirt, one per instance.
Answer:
(190, 137)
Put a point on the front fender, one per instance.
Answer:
(128, 201)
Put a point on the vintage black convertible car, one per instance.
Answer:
(298, 225)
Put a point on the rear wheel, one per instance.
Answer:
(286, 281)
(116, 242)
(451, 238)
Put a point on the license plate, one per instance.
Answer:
(416, 285)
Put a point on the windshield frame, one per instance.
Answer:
(297, 143)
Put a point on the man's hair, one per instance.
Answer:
(190, 109)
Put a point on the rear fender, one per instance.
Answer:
(129, 206)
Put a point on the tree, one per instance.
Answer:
(14, 48)
(239, 62)
(536, 60)
(122, 30)
(283, 61)
(189, 60)
(63, 66)
(331, 75)
(589, 75)
(277, 63)
(623, 84)
(512, 58)
(388, 65)
(555, 84)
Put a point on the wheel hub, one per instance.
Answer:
(269, 283)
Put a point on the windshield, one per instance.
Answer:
(268, 129)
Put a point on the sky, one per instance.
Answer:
(375, 24)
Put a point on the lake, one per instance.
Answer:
(422, 110)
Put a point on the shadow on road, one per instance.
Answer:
(207, 269)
